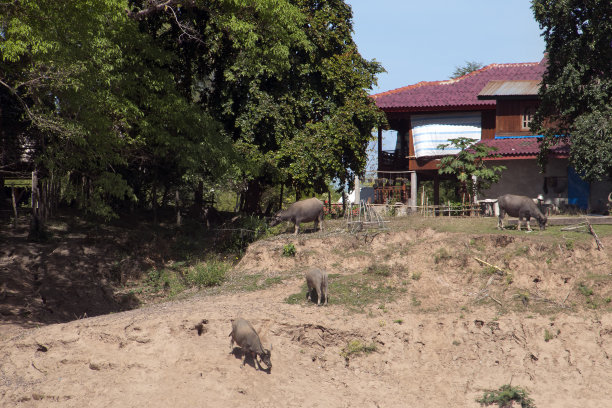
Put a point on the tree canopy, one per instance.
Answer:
(469, 66)
(128, 97)
(469, 164)
(576, 90)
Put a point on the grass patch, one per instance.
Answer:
(441, 255)
(355, 348)
(206, 274)
(251, 283)
(378, 269)
(179, 277)
(355, 292)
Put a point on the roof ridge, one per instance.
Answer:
(455, 80)
(404, 88)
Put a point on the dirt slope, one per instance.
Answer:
(454, 330)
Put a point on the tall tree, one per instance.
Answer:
(101, 102)
(284, 78)
(576, 90)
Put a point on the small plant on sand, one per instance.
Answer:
(548, 336)
(441, 255)
(505, 396)
(289, 250)
(356, 347)
(585, 290)
(416, 276)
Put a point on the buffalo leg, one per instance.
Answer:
(318, 296)
(297, 228)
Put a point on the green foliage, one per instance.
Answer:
(505, 396)
(469, 163)
(133, 106)
(576, 91)
(469, 66)
(289, 249)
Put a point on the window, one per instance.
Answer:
(527, 117)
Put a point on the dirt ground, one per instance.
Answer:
(455, 329)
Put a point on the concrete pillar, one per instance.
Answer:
(413, 191)
(357, 190)
(474, 191)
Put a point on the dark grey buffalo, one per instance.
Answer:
(316, 279)
(247, 338)
(521, 207)
(307, 210)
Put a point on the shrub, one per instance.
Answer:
(504, 397)
(289, 250)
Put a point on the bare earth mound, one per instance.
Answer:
(442, 328)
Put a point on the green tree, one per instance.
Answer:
(469, 66)
(469, 163)
(576, 90)
(105, 111)
(286, 81)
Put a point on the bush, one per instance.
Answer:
(504, 396)
(289, 250)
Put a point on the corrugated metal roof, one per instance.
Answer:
(462, 91)
(501, 88)
(525, 146)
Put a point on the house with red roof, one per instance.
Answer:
(493, 105)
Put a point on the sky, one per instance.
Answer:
(426, 40)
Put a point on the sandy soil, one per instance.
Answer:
(453, 333)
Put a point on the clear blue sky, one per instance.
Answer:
(424, 40)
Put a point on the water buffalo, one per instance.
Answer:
(247, 338)
(316, 280)
(518, 206)
(307, 210)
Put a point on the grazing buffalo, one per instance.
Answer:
(247, 338)
(316, 279)
(307, 210)
(518, 206)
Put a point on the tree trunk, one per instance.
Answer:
(198, 200)
(178, 208)
(14, 207)
(36, 223)
(154, 202)
(253, 197)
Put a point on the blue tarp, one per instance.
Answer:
(577, 190)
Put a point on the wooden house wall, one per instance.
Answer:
(510, 116)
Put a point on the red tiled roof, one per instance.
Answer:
(525, 146)
(462, 91)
